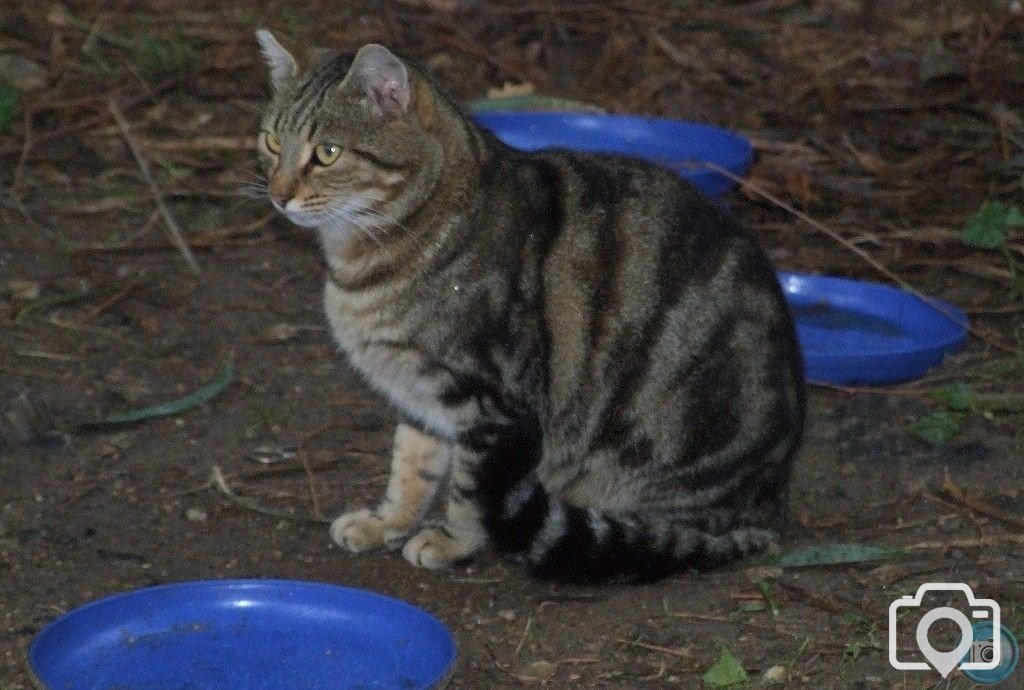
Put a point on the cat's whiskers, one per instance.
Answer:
(253, 190)
(345, 215)
(389, 221)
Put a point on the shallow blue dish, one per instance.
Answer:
(679, 146)
(858, 332)
(243, 635)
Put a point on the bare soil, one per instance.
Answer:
(889, 122)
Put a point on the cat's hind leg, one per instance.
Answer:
(419, 465)
(489, 470)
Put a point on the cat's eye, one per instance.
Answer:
(326, 153)
(272, 143)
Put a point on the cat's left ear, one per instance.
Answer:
(283, 67)
(385, 78)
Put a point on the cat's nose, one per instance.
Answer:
(281, 191)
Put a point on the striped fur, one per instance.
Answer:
(595, 360)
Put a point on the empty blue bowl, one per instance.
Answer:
(243, 635)
(860, 332)
(674, 144)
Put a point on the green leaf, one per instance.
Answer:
(8, 105)
(959, 397)
(160, 57)
(1016, 275)
(986, 229)
(855, 618)
(1015, 217)
(827, 554)
(938, 427)
(194, 399)
(752, 607)
(727, 672)
(766, 592)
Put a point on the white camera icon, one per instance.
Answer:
(945, 662)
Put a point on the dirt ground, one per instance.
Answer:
(890, 123)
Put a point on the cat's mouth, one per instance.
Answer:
(351, 214)
(301, 216)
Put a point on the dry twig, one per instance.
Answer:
(220, 483)
(870, 260)
(172, 225)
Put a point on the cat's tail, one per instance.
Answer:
(563, 542)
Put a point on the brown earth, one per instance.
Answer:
(889, 122)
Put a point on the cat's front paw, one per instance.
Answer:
(435, 548)
(365, 530)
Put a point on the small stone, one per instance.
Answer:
(150, 324)
(538, 670)
(22, 73)
(59, 16)
(23, 290)
(196, 515)
(281, 332)
(775, 674)
(507, 615)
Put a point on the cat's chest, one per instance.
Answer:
(380, 340)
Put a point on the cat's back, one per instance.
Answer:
(640, 269)
(609, 216)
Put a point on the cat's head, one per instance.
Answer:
(348, 142)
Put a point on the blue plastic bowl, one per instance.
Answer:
(859, 332)
(243, 635)
(679, 146)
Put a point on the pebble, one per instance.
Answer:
(22, 73)
(775, 674)
(538, 670)
(196, 515)
(23, 290)
(507, 615)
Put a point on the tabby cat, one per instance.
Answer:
(590, 359)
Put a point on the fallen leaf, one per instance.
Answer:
(194, 399)
(727, 672)
(937, 428)
(987, 228)
(508, 89)
(531, 102)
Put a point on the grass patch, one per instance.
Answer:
(8, 105)
(159, 57)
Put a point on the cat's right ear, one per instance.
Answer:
(283, 67)
(384, 77)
